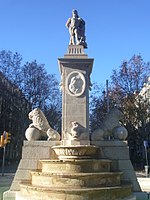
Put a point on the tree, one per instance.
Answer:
(26, 87)
(131, 75)
(123, 92)
(98, 106)
(42, 91)
(127, 83)
(39, 87)
(10, 66)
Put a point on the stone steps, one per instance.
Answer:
(80, 179)
(29, 191)
(76, 180)
(84, 165)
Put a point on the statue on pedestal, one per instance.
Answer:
(76, 26)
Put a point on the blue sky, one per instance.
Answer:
(115, 31)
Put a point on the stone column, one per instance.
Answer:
(75, 69)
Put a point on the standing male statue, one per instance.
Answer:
(76, 26)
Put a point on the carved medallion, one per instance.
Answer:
(75, 83)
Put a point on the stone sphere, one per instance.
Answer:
(120, 133)
(32, 134)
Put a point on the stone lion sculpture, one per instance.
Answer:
(40, 127)
(111, 126)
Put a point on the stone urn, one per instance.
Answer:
(76, 151)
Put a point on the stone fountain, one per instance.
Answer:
(75, 168)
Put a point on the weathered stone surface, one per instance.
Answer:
(125, 165)
(19, 196)
(40, 143)
(144, 184)
(40, 127)
(111, 126)
(76, 152)
(9, 195)
(118, 152)
(32, 152)
(22, 175)
(136, 186)
(75, 84)
(35, 150)
(75, 180)
(75, 166)
(15, 186)
(108, 193)
(75, 142)
(110, 143)
(25, 164)
(115, 153)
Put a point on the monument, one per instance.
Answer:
(75, 168)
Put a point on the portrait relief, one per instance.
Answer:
(75, 83)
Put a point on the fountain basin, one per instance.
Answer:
(76, 151)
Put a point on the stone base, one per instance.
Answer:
(9, 195)
(132, 197)
(144, 184)
(115, 193)
(118, 152)
(32, 152)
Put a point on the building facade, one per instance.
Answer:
(14, 109)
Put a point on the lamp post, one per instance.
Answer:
(3, 163)
(146, 166)
(107, 93)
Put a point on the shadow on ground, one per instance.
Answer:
(7, 176)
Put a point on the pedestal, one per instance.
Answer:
(75, 70)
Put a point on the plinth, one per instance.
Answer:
(75, 70)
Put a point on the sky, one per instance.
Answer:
(115, 31)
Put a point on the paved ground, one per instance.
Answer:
(5, 183)
(6, 179)
(141, 174)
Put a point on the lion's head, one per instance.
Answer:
(39, 120)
